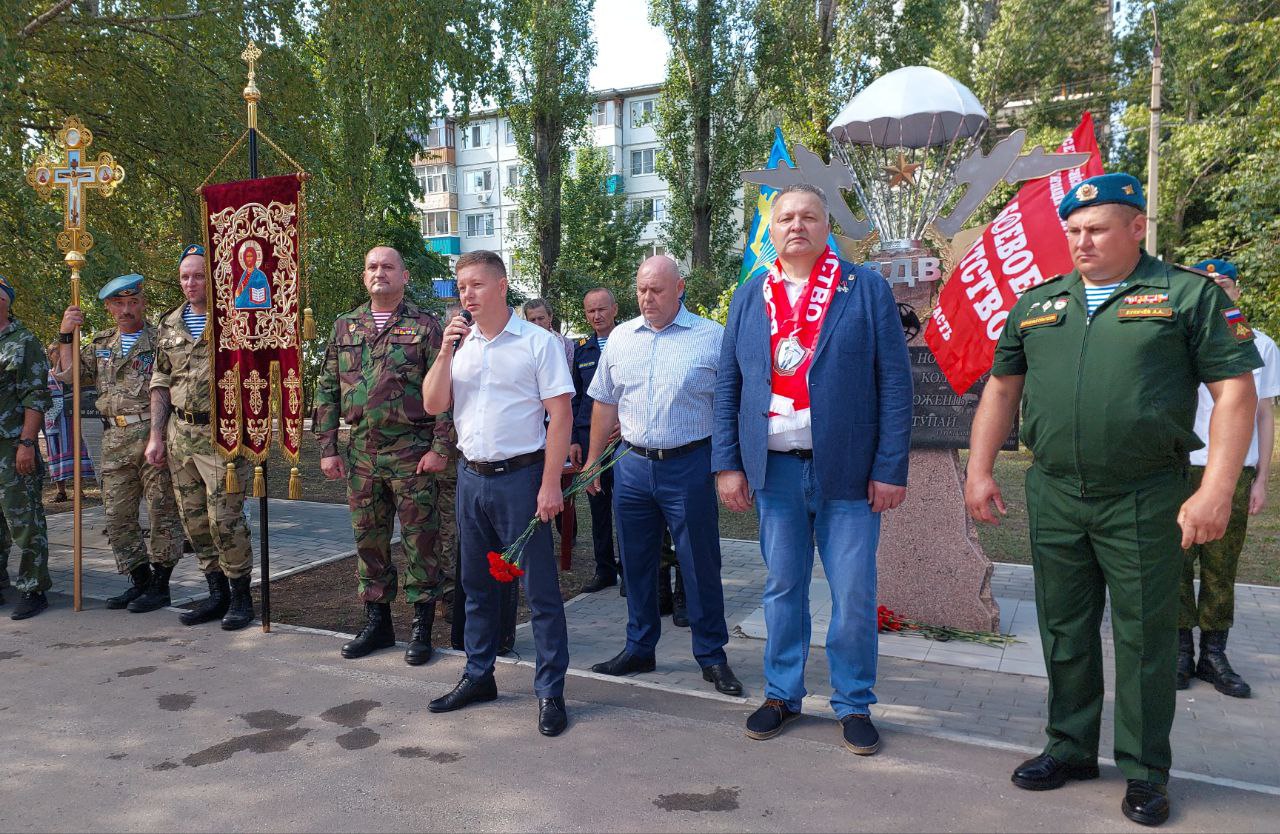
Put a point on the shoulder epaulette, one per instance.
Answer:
(1201, 272)
(171, 311)
(582, 341)
(1057, 277)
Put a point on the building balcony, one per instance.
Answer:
(439, 201)
(437, 156)
(444, 245)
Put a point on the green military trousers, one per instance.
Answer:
(22, 522)
(1215, 608)
(1082, 548)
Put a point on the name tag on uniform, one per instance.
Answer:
(1037, 321)
(1145, 313)
(586, 364)
(103, 354)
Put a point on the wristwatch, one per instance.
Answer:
(26, 441)
(66, 338)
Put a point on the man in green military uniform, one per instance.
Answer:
(180, 436)
(372, 376)
(118, 361)
(24, 398)
(1106, 362)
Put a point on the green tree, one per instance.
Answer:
(709, 130)
(601, 246)
(548, 52)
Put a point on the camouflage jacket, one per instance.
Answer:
(24, 377)
(182, 363)
(373, 380)
(123, 382)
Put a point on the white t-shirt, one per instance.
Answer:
(498, 388)
(1266, 379)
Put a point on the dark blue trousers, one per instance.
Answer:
(681, 493)
(492, 513)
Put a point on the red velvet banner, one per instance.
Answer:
(1024, 246)
(253, 242)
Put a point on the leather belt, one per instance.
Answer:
(192, 418)
(803, 454)
(497, 467)
(122, 420)
(667, 454)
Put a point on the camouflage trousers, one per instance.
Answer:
(211, 516)
(22, 521)
(446, 501)
(126, 479)
(1216, 607)
(380, 488)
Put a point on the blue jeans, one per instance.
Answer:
(792, 517)
(680, 492)
(492, 513)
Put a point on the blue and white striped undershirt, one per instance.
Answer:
(195, 322)
(1094, 296)
(126, 342)
(602, 341)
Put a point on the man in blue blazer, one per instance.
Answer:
(813, 427)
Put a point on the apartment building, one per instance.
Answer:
(467, 171)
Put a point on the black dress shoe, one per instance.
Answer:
(29, 604)
(599, 582)
(1146, 803)
(860, 735)
(722, 676)
(624, 663)
(769, 719)
(468, 691)
(552, 718)
(1044, 773)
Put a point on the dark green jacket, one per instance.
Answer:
(1109, 403)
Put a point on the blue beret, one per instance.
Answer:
(191, 249)
(1104, 188)
(1217, 266)
(126, 286)
(7, 288)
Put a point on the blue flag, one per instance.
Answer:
(759, 254)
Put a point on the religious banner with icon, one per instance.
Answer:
(253, 236)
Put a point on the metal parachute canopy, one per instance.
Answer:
(902, 138)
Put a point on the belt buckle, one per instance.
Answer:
(662, 454)
(120, 421)
(499, 469)
(187, 418)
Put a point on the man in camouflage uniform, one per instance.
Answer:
(24, 398)
(374, 365)
(118, 361)
(211, 516)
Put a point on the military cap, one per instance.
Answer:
(126, 286)
(7, 288)
(191, 249)
(1123, 189)
(1214, 267)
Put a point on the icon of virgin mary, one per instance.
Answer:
(253, 290)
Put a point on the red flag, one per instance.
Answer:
(1024, 246)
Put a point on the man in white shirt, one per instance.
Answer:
(1214, 610)
(500, 375)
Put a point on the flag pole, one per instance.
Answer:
(252, 96)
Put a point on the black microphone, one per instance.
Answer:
(466, 314)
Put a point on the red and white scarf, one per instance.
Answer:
(793, 336)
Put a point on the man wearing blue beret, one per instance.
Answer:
(118, 361)
(1213, 610)
(24, 398)
(1105, 362)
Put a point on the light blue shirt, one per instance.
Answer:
(663, 381)
(1094, 296)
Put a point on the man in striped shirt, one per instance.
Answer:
(657, 382)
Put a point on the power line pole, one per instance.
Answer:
(1153, 140)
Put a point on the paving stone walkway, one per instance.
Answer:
(967, 690)
(303, 534)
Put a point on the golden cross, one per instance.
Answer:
(255, 383)
(229, 386)
(75, 174)
(294, 385)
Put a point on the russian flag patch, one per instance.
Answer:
(1237, 324)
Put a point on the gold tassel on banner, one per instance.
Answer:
(259, 482)
(308, 325)
(233, 483)
(295, 484)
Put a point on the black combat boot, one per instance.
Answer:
(1186, 658)
(419, 651)
(141, 578)
(378, 632)
(664, 591)
(1214, 667)
(679, 607)
(214, 606)
(240, 611)
(157, 594)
